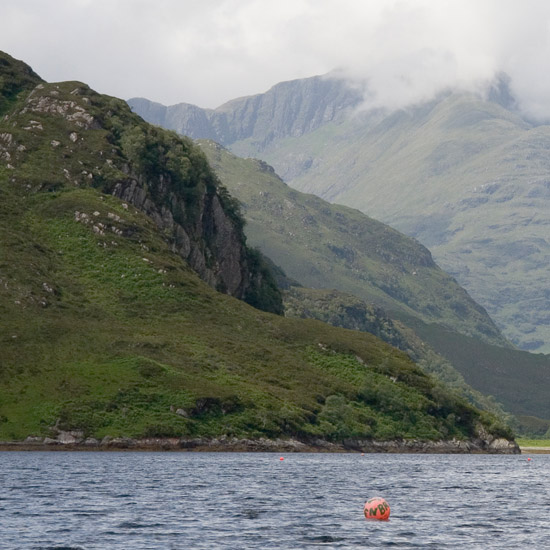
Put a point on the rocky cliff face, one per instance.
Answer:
(67, 135)
(212, 245)
(184, 118)
(289, 109)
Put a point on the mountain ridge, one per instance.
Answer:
(290, 109)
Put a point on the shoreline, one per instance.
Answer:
(535, 450)
(69, 441)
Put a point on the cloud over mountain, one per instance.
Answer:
(210, 52)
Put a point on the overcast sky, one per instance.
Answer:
(209, 51)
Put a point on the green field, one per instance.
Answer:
(524, 442)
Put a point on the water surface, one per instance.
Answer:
(55, 500)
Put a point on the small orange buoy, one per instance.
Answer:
(282, 458)
(529, 459)
(377, 508)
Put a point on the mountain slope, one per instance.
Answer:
(291, 108)
(345, 310)
(333, 247)
(471, 182)
(66, 134)
(97, 341)
(106, 329)
(465, 175)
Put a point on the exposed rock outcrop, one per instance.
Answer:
(93, 140)
(212, 244)
(290, 108)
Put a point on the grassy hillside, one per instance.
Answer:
(465, 174)
(106, 329)
(309, 238)
(112, 339)
(66, 135)
(345, 310)
(466, 177)
(330, 246)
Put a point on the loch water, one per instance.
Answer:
(138, 500)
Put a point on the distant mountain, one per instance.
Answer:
(465, 174)
(289, 109)
(121, 260)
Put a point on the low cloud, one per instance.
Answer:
(212, 51)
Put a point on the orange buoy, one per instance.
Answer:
(529, 459)
(282, 458)
(377, 508)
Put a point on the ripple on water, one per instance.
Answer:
(139, 525)
(250, 513)
(323, 539)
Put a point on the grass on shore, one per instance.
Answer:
(524, 442)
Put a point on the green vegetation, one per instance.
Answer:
(105, 328)
(517, 379)
(440, 327)
(320, 245)
(65, 135)
(347, 311)
(14, 78)
(464, 173)
(533, 427)
(331, 246)
(524, 442)
(111, 339)
(465, 176)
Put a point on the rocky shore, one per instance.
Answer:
(74, 441)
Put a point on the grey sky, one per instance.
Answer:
(209, 51)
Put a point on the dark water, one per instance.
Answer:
(227, 500)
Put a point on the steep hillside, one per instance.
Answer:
(471, 181)
(330, 246)
(289, 109)
(126, 341)
(464, 174)
(107, 330)
(65, 135)
(340, 309)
